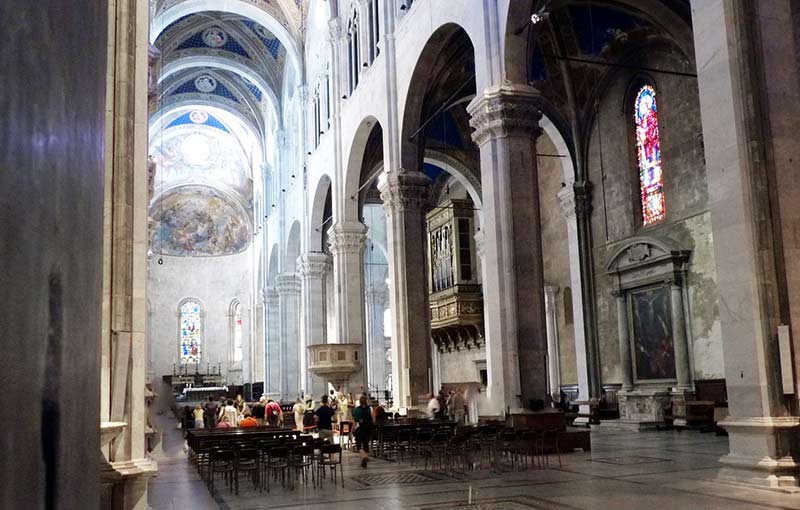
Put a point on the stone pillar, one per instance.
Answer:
(347, 241)
(733, 40)
(376, 341)
(312, 267)
(576, 207)
(273, 377)
(506, 123)
(404, 194)
(125, 256)
(683, 369)
(553, 360)
(625, 360)
(288, 286)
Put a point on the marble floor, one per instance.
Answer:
(625, 470)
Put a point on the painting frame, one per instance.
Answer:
(652, 345)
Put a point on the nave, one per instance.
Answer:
(667, 469)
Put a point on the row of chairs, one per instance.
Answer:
(469, 448)
(265, 461)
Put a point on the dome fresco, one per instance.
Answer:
(198, 221)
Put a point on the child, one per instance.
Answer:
(198, 417)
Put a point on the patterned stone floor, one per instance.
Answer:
(624, 471)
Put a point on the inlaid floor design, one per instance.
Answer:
(624, 471)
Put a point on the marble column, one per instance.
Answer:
(127, 465)
(312, 267)
(506, 122)
(347, 241)
(735, 44)
(576, 207)
(272, 379)
(682, 366)
(376, 341)
(288, 287)
(553, 359)
(625, 359)
(404, 194)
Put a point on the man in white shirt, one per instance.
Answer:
(433, 406)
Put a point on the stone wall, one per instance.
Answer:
(215, 282)
(616, 211)
(51, 191)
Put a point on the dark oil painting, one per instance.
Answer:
(654, 351)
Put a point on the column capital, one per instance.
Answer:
(313, 264)
(271, 296)
(505, 110)
(403, 190)
(287, 283)
(335, 29)
(376, 292)
(347, 237)
(583, 198)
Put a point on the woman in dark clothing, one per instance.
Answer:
(362, 415)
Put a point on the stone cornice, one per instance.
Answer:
(403, 190)
(347, 237)
(505, 110)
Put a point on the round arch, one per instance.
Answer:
(410, 154)
(459, 171)
(293, 246)
(248, 10)
(318, 225)
(349, 209)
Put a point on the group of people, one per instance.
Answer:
(447, 405)
(334, 409)
(236, 413)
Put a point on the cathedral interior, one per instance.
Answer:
(566, 224)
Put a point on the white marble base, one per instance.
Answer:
(643, 405)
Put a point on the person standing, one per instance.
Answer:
(457, 406)
(324, 418)
(362, 415)
(230, 415)
(433, 407)
(199, 423)
(260, 411)
(298, 409)
(211, 409)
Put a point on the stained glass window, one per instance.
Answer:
(651, 180)
(237, 332)
(191, 329)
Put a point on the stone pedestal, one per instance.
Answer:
(642, 409)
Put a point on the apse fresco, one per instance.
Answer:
(654, 351)
(198, 221)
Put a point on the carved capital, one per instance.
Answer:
(505, 110)
(287, 284)
(313, 264)
(335, 30)
(583, 198)
(403, 190)
(347, 237)
(271, 296)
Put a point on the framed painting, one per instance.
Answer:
(652, 339)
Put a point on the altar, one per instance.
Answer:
(198, 385)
